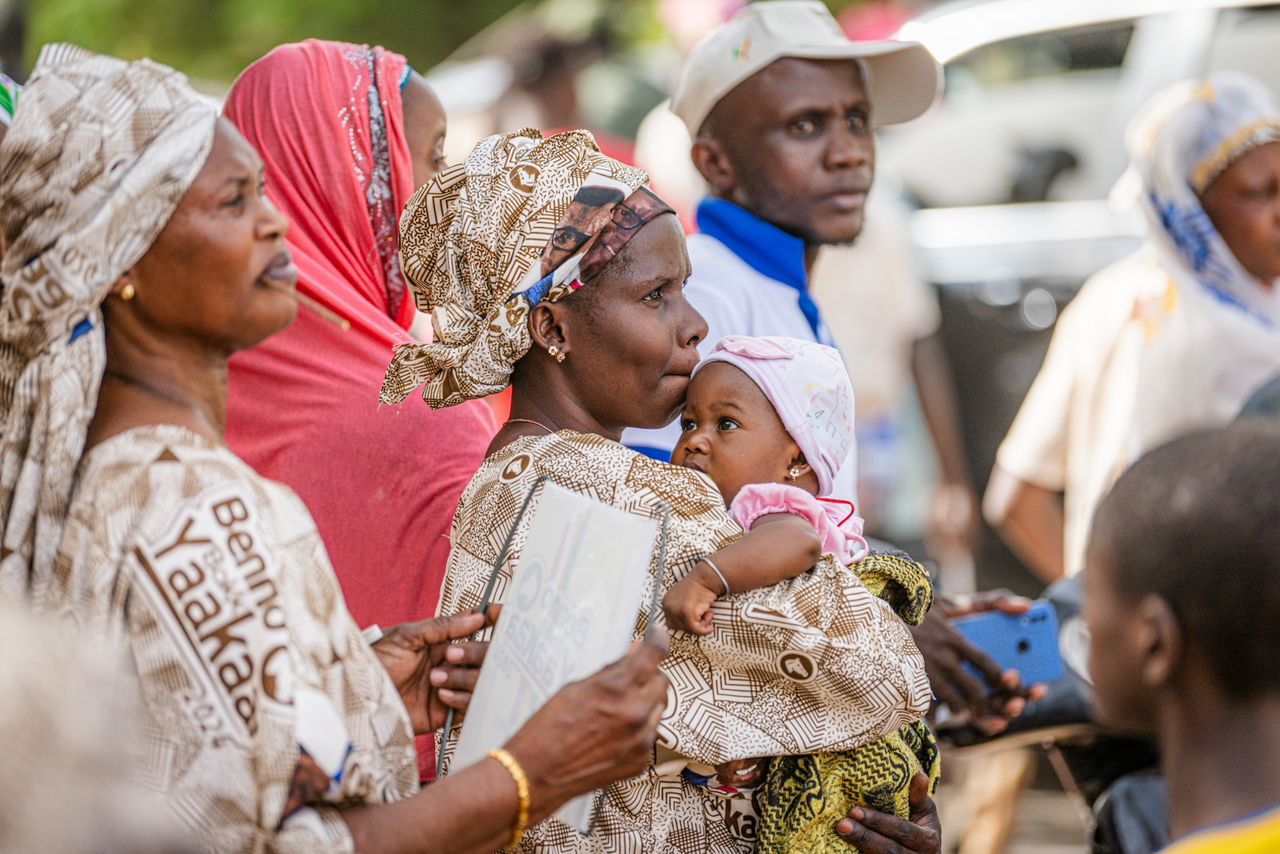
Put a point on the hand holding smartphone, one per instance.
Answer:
(1025, 642)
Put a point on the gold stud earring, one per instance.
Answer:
(127, 292)
(793, 473)
(556, 353)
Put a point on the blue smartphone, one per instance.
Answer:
(1027, 643)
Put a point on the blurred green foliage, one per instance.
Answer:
(213, 40)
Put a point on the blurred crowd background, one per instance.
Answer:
(998, 204)
(988, 213)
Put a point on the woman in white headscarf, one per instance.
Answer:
(1173, 338)
(141, 253)
(1208, 156)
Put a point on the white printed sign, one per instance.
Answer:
(570, 610)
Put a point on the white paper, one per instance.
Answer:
(320, 730)
(571, 609)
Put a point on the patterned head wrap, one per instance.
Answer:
(1183, 139)
(524, 219)
(97, 159)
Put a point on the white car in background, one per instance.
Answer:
(1031, 76)
(1013, 168)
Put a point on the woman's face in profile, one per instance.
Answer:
(1244, 205)
(634, 342)
(425, 125)
(218, 273)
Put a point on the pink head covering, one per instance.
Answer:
(302, 407)
(329, 123)
(808, 385)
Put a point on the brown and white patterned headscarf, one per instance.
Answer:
(99, 155)
(523, 219)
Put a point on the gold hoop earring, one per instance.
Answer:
(793, 473)
(127, 292)
(556, 353)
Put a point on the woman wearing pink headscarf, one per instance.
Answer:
(347, 133)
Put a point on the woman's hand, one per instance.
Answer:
(589, 734)
(596, 731)
(877, 833)
(432, 673)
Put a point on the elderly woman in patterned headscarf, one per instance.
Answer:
(142, 253)
(551, 268)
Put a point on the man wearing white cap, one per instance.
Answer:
(781, 107)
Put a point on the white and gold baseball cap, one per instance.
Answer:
(903, 78)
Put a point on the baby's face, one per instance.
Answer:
(730, 431)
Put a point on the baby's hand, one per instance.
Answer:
(688, 605)
(740, 773)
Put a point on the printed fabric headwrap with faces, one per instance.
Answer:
(99, 155)
(808, 385)
(522, 220)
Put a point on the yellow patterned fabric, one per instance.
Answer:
(900, 581)
(813, 663)
(96, 161)
(216, 583)
(477, 234)
(802, 797)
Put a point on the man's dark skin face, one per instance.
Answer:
(793, 145)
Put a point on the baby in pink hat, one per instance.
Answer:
(770, 421)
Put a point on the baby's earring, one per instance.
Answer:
(793, 473)
(556, 353)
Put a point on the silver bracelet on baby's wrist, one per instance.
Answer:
(720, 575)
(372, 634)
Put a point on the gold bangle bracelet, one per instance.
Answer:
(522, 792)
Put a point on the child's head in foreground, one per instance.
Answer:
(767, 410)
(1183, 576)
